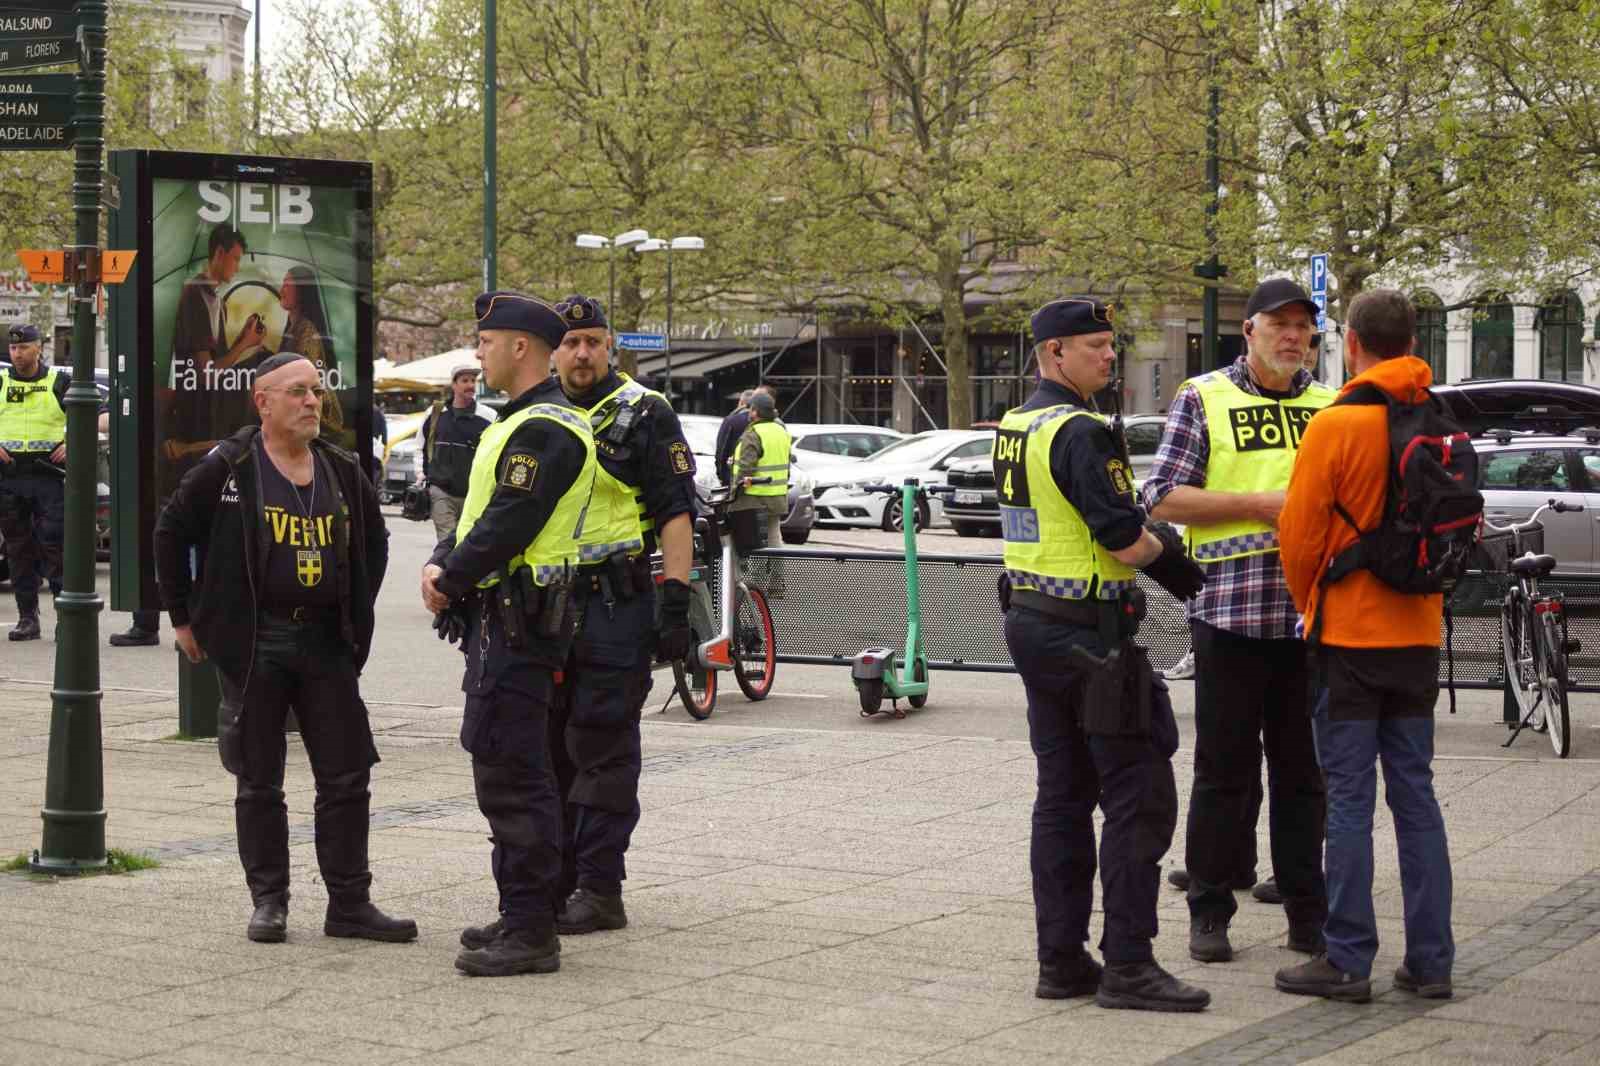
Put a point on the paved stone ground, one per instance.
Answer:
(796, 896)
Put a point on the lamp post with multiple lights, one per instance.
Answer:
(611, 244)
(670, 245)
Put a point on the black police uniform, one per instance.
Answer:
(510, 689)
(32, 510)
(594, 727)
(1130, 777)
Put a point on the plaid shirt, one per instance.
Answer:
(1249, 595)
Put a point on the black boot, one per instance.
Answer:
(27, 627)
(1146, 986)
(269, 924)
(363, 921)
(1068, 980)
(587, 911)
(135, 638)
(514, 951)
(1267, 892)
(474, 937)
(1208, 940)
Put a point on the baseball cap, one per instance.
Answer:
(1278, 292)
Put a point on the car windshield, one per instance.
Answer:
(702, 437)
(923, 448)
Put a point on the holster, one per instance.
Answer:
(556, 616)
(512, 605)
(625, 577)
(1117, 698)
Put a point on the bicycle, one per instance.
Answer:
(1533, 633)
(746, 641)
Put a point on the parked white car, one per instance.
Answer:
(838, 489)
(825, 444)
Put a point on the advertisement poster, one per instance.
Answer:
(239, 258)
(243, 270)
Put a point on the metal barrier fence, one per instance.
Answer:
(836, 603)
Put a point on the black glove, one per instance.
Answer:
(1173, 570)
(450, 624)
(673, 641)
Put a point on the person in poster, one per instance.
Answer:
(281, 273)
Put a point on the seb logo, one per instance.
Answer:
(1268, 425)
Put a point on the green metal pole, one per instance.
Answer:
(490, 162)
(666, 388)
(74, 795)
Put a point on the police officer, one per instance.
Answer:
(643, 494)
(450, 435)
(504, 583)
(33, 453)
(1099, 721)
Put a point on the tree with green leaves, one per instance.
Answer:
(885, 115)
(396, 83)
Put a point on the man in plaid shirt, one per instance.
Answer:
(1221, 471)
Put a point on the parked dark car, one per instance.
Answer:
(1521, 403)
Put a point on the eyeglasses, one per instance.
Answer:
(298, 392)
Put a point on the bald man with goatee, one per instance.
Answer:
(289, 551)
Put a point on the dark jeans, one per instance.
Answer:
(304, 667)
(1130, 778)
(1375, 706)
(505, 731)
(594, 740)
(32, 510)
(1250, 698)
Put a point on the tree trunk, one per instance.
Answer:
(958, 363)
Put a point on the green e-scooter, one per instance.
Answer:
(880, 672)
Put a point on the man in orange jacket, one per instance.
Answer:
(1375, 674)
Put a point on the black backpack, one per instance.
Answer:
(1432, 510)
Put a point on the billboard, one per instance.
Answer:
(239, 258)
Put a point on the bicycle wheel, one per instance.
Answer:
(1553, 682)
(1517, 641)
(755, 646)
(696, 690)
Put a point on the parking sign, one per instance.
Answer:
(1319, 288)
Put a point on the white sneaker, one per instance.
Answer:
(1184, 668)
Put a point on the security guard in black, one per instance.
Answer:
(1050, 623)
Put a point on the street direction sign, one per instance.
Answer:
(642, 342)
(24, 52)
(17, 24)
(36, 111)
(44, 266)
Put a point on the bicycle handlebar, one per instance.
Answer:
(1552, 504)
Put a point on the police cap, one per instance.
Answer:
(582, 312)
(23, 333)
(513, 310)
(1069, 317)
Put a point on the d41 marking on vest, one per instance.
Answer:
(1265, 426)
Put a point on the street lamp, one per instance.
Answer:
(674, 244)
(611, 244)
